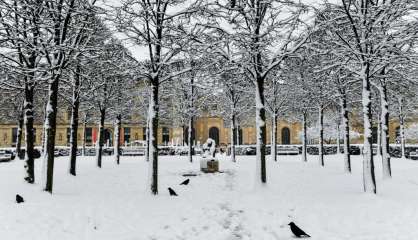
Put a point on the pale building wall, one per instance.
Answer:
(201, 125)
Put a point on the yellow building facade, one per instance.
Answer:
(204, 127)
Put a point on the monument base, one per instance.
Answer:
(209, 165)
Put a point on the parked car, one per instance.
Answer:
(166, 150)
(36, 153)
(6, 155)
(250, 151)
(136, 148)
(287, 150)
(182, 150)
(413, 155)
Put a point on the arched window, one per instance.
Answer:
(68, 135)
(214, 134)
(285, 135)
(166, 135)
(14, 135)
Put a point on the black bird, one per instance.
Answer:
(172, 192)
(19, 199)
(297, 231)
(185, 182)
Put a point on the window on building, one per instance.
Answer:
(144, 133)
(14, 135)
(68, 135)
(127, 134)
(89, 135)
(240, 137)
(166, 135)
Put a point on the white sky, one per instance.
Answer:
(141, 52)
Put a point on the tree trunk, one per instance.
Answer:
(20, 123)
(153, 134)
(379, 136)
(190, 139)
(50, 130)
(29, 136)
(274, 139)
(116, 145)
(260, 131)
(44, 132)
(237, 133)
(304, 138)
(346, 127)
(384, 121)
(101, 138)
(147, 140)
(233, 138)
(402, 126)
(84, 134)
(369, 180)
(74, 122)
(321, 135)
(338, 138)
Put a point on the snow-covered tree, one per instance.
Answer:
(161, 27)
(369, 32)
(265, 32)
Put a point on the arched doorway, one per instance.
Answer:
(108, 137)
(285, 135)
(214, 134)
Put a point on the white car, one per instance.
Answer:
(136, 148)
(6, 155)
(287, 150)
(413, 155)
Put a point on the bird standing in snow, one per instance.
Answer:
(19, 199)
(297, 231)
(185, 182)
(172, 192)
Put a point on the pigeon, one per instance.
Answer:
(185, 182)
(19, 199)
(297, 231)
(172, 192)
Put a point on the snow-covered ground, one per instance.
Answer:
(114, 203)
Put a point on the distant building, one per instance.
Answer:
(204, 127)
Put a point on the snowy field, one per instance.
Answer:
(113, 202)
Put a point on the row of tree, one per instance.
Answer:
(250, 59)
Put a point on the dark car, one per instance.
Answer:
(250, 151)
(36, 153)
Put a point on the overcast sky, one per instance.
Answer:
(141, 52)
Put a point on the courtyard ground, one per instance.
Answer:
(114, 203)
